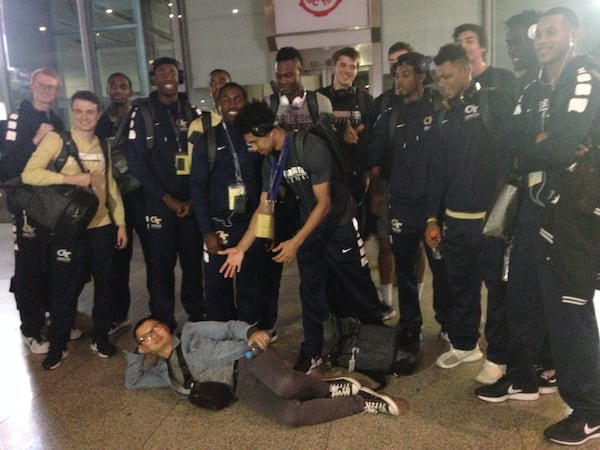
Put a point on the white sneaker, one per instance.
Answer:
(389, 314)
(491, 372)
(75, 334)
(37, 346)
(454, 357)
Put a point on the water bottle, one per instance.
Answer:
(253, 350)
(506, 262)
(435, 251)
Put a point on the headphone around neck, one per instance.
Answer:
(344, 93)
(296, 103)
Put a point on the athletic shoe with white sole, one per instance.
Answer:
(491, 372)
(454, 357)
(376, 403)
(507, 389)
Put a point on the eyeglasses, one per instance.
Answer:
(45, 87)
(150, 334)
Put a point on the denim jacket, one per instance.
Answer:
(209, 348)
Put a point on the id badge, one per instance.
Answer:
(534, 178)
(182, 164)
(236, 194)
(265, 228)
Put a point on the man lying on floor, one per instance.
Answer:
(215, 351)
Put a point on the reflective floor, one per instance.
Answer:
(83, 404)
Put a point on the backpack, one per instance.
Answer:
(211, 139)
(125, 180)
(374, 350)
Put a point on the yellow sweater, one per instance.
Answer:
(92, 158)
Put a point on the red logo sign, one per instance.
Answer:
(320, 8)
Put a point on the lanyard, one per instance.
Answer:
(236, 161)
(276, 174)
(174, 125)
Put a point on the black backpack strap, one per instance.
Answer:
(393, 124)
(274, 103)
(313, 105)
(144, 107)
(70, 149)
(188, 379)
(211, 139)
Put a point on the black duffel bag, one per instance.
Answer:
(375, 350)
(64, 210)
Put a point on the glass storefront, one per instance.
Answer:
(85, 41)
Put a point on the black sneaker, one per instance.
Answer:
(378, 403)
(307, 363)
(573, 431)
(343, 387)
(546, 380)
(54, 358)
(506, 388)
(104, 348)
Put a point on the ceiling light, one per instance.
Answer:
(235, 11)
(171, 15)
(42, 28)
(109, 11)
(179, 16)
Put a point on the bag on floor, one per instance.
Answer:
(211, 395)
(370, 349)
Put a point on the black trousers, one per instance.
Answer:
(170, 237)
(72, 260)
(238, 298)
(575, 346)
(135, 218)
(339, 253)
(404, 247)
(31, 281)
(525, 308)
(471, 259)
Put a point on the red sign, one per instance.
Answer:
(320, 8)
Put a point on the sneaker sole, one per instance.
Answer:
(98, 352)
(548, 390)
(520, 396)
(471, 358)
(119, 328)
(35, 350)
(583, 441)
(64, 356)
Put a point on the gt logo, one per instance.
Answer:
(154, 222)
(471, 109)
(63, 253)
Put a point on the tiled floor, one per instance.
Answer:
(83, 404)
